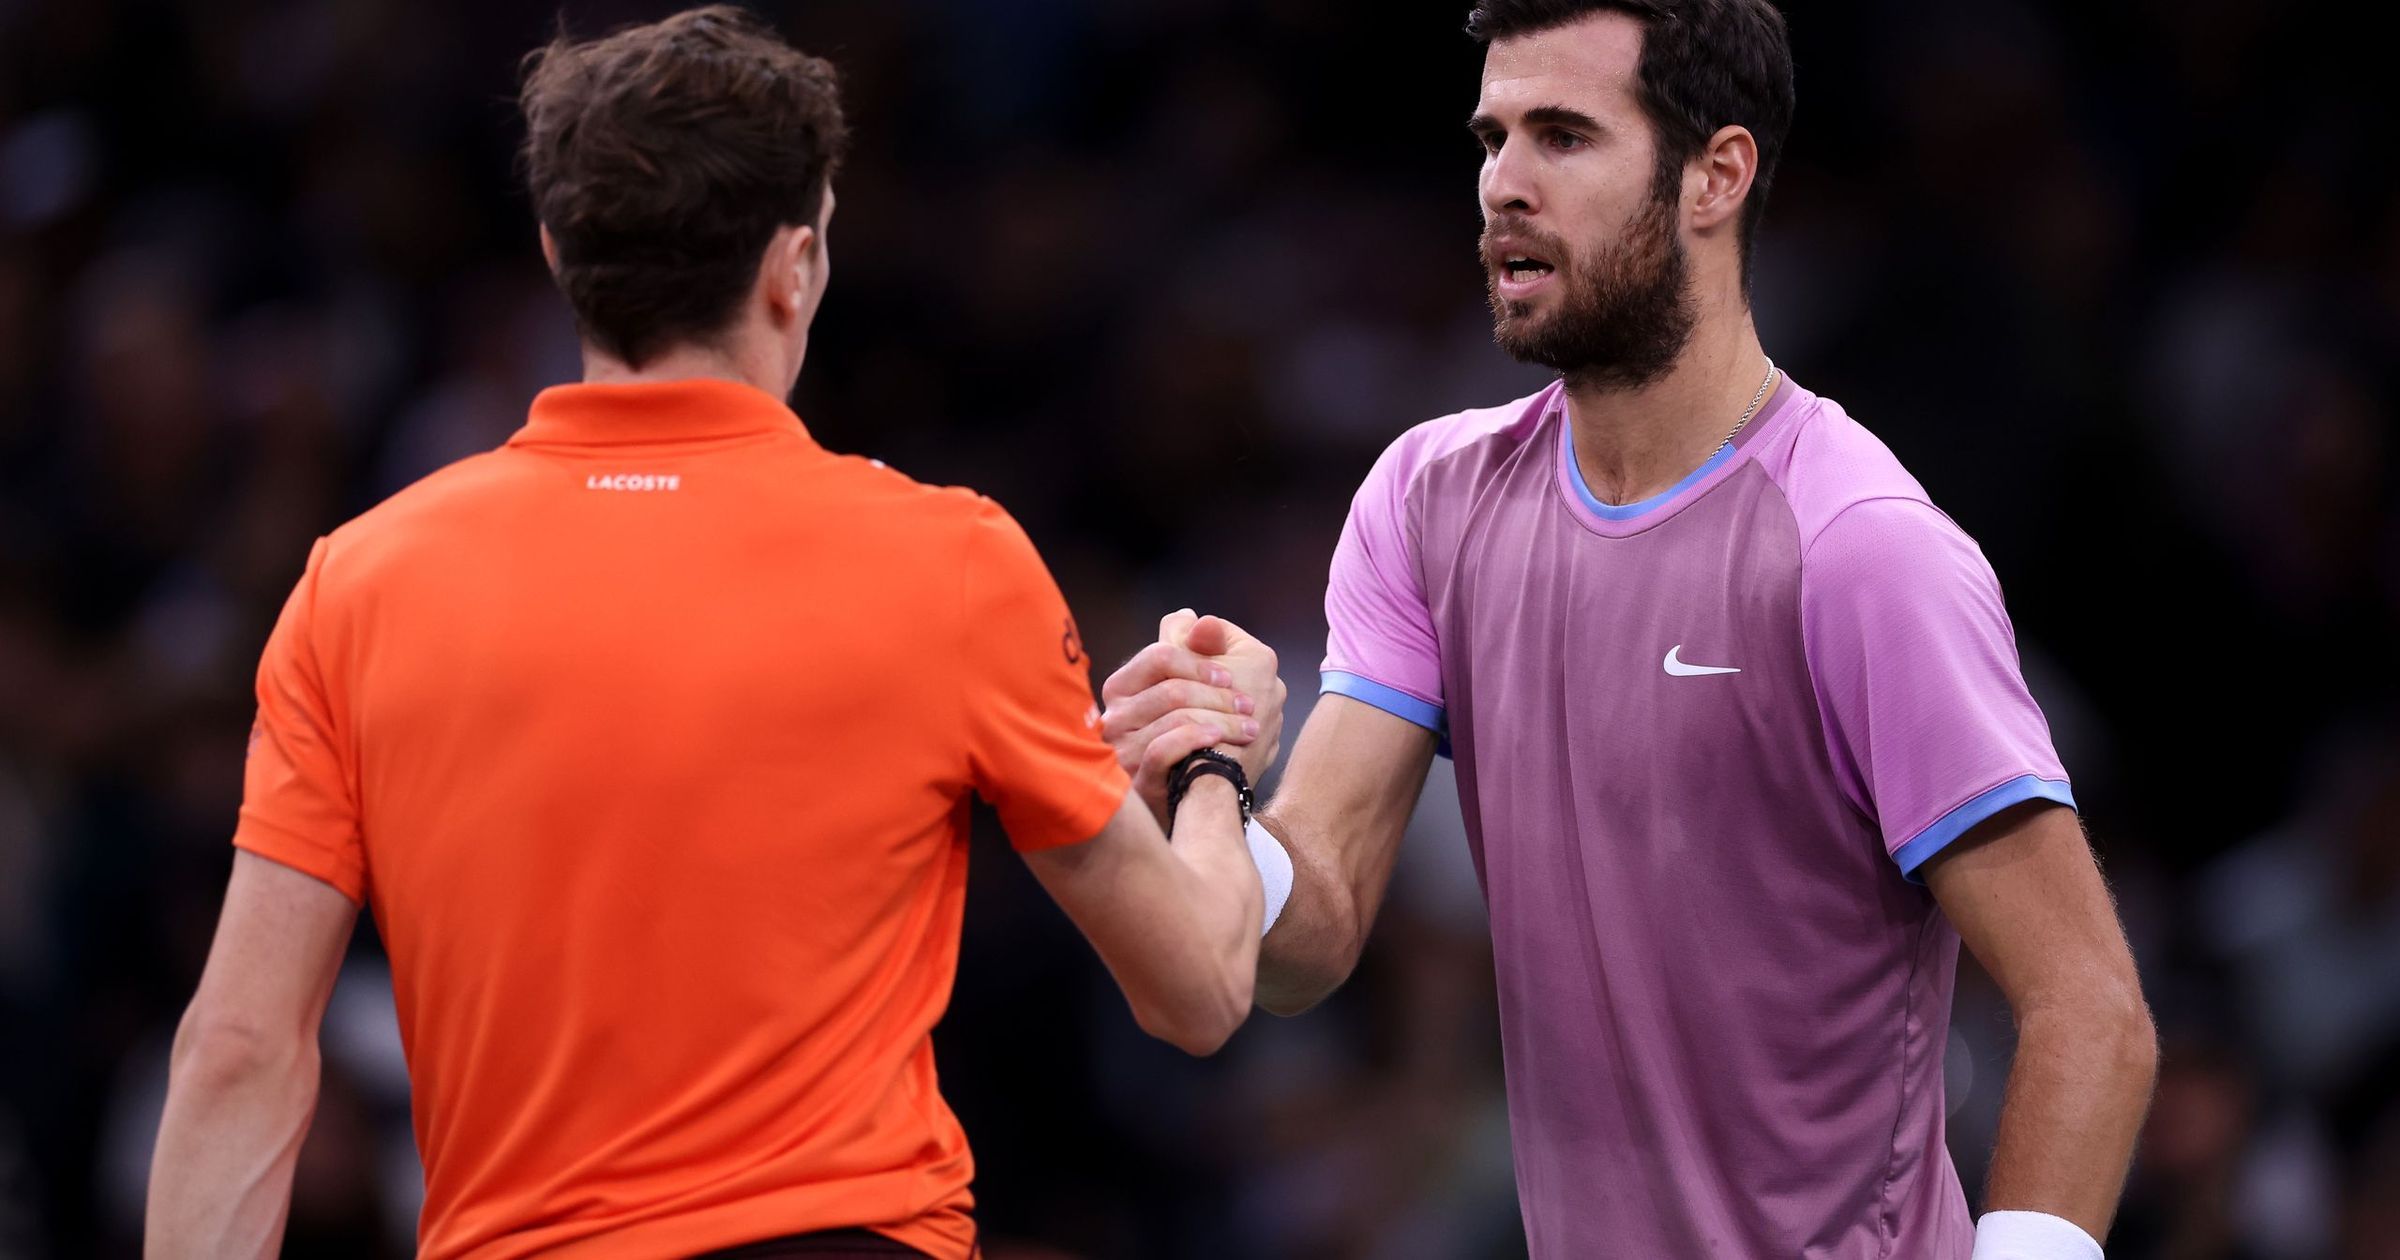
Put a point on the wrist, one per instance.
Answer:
(1208, 763)
(2032, 1236)
(1212, 787)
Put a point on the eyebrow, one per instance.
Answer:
(1540, 116)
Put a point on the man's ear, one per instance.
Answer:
(549, 248)
(791, 269)
(1727, 167)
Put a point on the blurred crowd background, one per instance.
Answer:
(2120, 282)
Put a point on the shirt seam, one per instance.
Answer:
(689, 444)
(961, 720)
(1412, 523)
(342, 742)
(1847, 508)
(1412, 536)
(1412, 544)
(1887, 1215)
(1808, 661)
(1417, 475)
(1808, 656)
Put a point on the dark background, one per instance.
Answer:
(2120, 283)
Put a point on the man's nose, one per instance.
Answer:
(1508, 185)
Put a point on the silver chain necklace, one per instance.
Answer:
(1755, 403)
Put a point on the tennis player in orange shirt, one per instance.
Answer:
(648, 740)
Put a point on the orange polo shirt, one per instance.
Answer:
(648, 739)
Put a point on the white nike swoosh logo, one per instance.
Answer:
(1677, 669)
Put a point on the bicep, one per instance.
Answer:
(2028, 900)
(278, 947)
(1347, 794)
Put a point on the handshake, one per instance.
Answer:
(1206, 683)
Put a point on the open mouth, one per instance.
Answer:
(1524, 268)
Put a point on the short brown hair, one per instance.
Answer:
(1706, 64)
(663, 158)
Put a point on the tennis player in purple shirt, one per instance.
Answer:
(1743, 745)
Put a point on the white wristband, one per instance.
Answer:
(1274, 870)
(2032, 1236)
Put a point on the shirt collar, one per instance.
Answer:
(1615, 521)
(695, 409)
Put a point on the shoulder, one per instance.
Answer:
(954, 510)
(1496, 430)
(954, 523)
(1845, 488)
(427, 511)
(1899, 545)
(1861, 517)
(922, 522)
(872, 486)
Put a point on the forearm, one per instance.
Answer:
(1346, 798)
(1187, 963)
(237, 1110)
(1208, 841)
(1316, 941)
(2077, 1095)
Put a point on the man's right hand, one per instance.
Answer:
(1338, 813)
(1206, 682)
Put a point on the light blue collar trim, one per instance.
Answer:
(1613, 512)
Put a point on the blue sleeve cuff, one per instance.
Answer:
(1958, 822)
(1391, 700)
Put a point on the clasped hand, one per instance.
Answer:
(1206, 683)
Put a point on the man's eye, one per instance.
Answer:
(1490, 141)
(1566, 141)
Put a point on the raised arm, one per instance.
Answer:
(2028, 899)
(242, 1084)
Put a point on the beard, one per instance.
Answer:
(1623, 315)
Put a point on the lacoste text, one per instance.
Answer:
(634, 481)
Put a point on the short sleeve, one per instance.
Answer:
(1919, 688)
(299, 805)
(1380, 647)
(1033, 732)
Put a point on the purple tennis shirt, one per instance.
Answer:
(1704, 742)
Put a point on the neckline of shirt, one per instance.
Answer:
(1618, 520)
(694, 409)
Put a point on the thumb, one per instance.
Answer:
(1176, 626)
(1213, 636)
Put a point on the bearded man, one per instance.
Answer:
(1744, 749)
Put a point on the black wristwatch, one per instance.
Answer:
(1204, 762)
